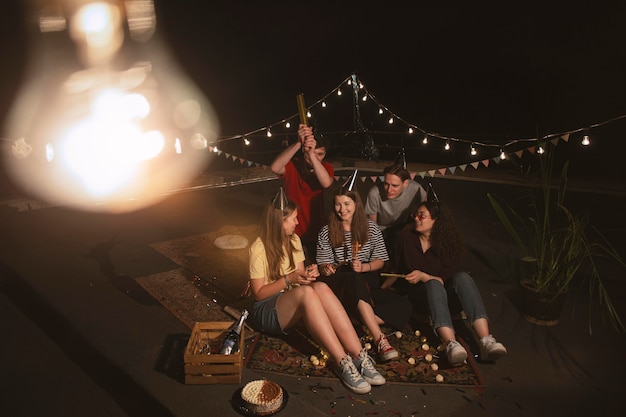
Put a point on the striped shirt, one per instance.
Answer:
(374, 248)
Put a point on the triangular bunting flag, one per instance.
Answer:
(565, 137)
(519, 153)
(475, 164)
(452, 169)
(463, 167)
(442, 171)
(432, 173)
(555, 141)
(422, 174)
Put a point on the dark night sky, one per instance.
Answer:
(497, 72)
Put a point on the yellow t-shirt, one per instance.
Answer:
(258, 260)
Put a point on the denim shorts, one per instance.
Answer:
(264, 317)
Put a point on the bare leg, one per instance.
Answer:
(370, 319)
(303, 303)
(446, 334)
(481, 327)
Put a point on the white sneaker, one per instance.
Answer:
(351, 378)
(456, 353)
(365, 364)
(490, 350)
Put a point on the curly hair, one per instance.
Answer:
(445, 239)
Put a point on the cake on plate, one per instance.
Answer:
(262, 397)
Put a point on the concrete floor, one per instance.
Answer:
(79, 339)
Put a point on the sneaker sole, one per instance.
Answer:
(356, 390)
(389, 356)
(375, 382)
(493, 356)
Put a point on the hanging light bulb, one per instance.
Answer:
(246, 141)
(339, 92)
(288, 125)
(502, 154)
(447, 146)
(364, 98)
(410, 130)
(540, 149)
(269, 132)
(390, 120)
(472, 150)
(108, 116)
(380, 110)
(586, 140)
(324, 104)
(425, 140)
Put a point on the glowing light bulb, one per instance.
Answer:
(364, 98)
(502, 154)
(324, 104)
(472, 150)
(391, 120)
(380, 110)
(339, 92)
(447, 146)
(540, 149)
(586, 140)
(119, 129)
(425, 140)
(288, 125)
(410, 130)
(269, 133)
(246, 141)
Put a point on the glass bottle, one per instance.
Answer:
(231, 342)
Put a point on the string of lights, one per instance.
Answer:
(287, 125)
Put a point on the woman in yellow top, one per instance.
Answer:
(286, 293)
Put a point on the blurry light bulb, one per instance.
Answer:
(323, 104)
(472, 150)
(364, 98)
(380, 110)
(540, 149)
(586, 140)
(391, 120)
(269, 133)
(425, 140)
(447, 146)
(308, 114)
(339, 92)
(410, 130)
(112, 125)
(502, 154)
(246, 141)
(287, 125)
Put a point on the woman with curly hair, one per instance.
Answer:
(428, 255)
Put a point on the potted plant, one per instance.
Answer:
(558, 247)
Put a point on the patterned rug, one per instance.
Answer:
(419, 362)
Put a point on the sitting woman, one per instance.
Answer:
(429, 254)
(350, 249)
(286, 293)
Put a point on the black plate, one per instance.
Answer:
(241, 407)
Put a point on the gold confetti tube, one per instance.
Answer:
(302, 109)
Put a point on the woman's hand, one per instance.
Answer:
(328, 269)
(414, 276)
(358, 266)
(312, 272)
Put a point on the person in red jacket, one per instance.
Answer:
(305, 179)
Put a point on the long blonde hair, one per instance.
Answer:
(359, 226)
(277, 244)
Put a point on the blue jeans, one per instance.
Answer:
(459, 294)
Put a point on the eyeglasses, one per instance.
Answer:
(420, 216)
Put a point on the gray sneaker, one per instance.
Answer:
(490, 350)
(351, 378)
(365, 364)
(456, 353)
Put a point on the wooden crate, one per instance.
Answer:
(202, 368)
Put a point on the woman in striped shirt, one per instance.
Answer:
(350, 252)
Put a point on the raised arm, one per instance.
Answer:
(279, 163)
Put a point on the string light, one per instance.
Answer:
(269, 133)
(586, 140)
(394, 119)
(246, 141)
(288, 125)
(473, 150)
(540, 149)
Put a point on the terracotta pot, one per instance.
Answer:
(542, 308)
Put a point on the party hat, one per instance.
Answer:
(350, 182)
(400, 159)
(430, 194)
(280, 200)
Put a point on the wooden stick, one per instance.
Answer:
(385, 274)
